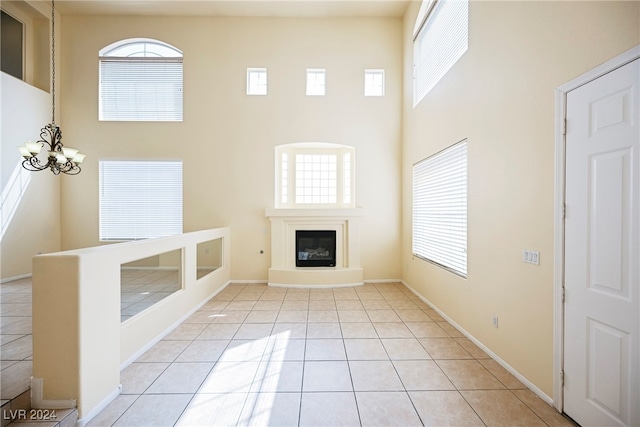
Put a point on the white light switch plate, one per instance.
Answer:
(531, 257)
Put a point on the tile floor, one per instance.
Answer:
(15, 339)
(373, 355)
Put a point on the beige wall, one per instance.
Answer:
(500, 96)
(30, 219)
(31, 222)
(227, 139)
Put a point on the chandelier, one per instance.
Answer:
(59, 159)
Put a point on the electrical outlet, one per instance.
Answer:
(494, 321)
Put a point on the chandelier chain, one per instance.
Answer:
(59, 159)
(53, 62)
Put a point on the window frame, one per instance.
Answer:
(370, 90)
(439, 208)
(166, 181)
(286, 177)
(137, 66)
(253, 90)
(313, 89)
(20, 51)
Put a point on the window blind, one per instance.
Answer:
(141, 89)
(441, 41)
(140, 199)
(440, 208)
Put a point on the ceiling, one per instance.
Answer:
(275, 8)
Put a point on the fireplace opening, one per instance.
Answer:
(315, 248)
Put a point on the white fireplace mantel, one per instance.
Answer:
(285, 222)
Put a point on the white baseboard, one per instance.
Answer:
(248, 282)
(383, 281)
(542, 395)
(99, 407)
(328, 286)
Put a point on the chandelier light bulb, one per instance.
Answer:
(24, 152)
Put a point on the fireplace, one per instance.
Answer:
(315, 248)
(344, 225)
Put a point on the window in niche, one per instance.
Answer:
(148, 281)
(373, 82)
(209, 257)
(256, 81)
(12, 46)
(316, 81)
(315, 175)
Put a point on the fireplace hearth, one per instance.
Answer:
(315, 248)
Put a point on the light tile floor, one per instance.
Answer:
(373, 355)
(15, 338)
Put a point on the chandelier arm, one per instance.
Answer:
(33, 164)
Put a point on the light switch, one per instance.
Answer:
(531, 257)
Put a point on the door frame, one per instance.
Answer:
(558, 210)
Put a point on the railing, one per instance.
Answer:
(79, 342)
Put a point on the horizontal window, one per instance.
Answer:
(140, 199)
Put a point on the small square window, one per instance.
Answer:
(316, 82)
(373, 82)
(256, 81)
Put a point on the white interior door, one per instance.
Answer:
(602, 251)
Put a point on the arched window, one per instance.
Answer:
(140, 80)
(315, 175)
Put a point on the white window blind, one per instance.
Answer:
(440, 208)
(140, 199)
(141, 81)
(440, 42)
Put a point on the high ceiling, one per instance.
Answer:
(287, 8)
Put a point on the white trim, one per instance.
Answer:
(423, 14)
(542, 395)
(99, 407)
(125, 267)
(166, 332)
(383, 281)
(558, 251)
(248, 282)
(314, 286)
(558, 235)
